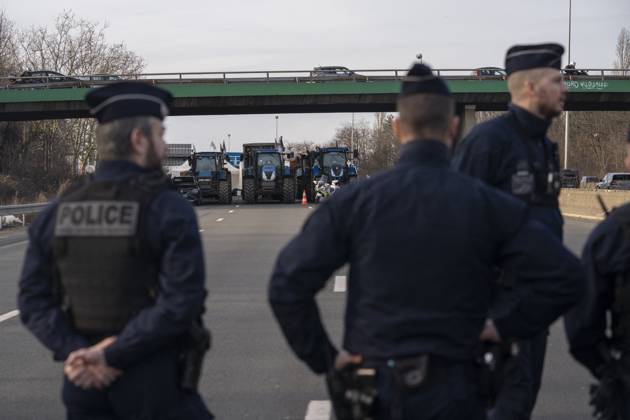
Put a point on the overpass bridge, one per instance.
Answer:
(267, 92)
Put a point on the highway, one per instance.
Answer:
(250, 372)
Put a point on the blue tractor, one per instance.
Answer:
(267, 174)
(324, 165)
(207, 179)
(214, 181)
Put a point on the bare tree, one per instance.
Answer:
(622, 52)
(8, 48)
(76, 47)
(359, 138)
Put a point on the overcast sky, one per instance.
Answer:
(210, 35)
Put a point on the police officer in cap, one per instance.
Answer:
(598, 328)
(421, 242)
(512, 153)
(113, 280)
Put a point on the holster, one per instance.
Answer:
(493, 359)
(195, 344)
(409, 374)
(352, 392)
(609, 398)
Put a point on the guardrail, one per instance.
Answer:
(297, 76)
(22, 209)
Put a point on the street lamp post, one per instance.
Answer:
(352, 135)
(276, 128)
(566, 113)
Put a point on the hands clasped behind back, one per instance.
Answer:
(88, 369)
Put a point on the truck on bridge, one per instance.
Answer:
(267, 173)
(322, 166)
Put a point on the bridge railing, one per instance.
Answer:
(297, 76)
(21, 209)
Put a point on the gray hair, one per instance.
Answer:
(112, 138)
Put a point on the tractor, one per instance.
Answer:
(212, 178)
(325, 165)
(267, 173)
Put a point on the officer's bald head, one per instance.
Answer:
(425, 116)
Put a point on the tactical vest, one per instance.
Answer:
(537, 183)
(620, 311)
(106, 272)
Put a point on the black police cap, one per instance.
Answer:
(421, 80)
(534, 56)
(128, 99)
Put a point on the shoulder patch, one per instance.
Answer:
(97, 218)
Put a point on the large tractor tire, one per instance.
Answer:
(249, 191)
(288, 191)
(225, 192)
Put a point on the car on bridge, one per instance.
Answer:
(334, 72)
(615, 181)
(490, 72)
(42, 78)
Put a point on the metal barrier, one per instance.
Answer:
(297, 76)
(22, 209)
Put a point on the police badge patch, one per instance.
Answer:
(97, 218)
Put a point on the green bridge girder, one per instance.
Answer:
(264, 97)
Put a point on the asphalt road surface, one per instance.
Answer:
(250, 372)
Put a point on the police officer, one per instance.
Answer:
(113, 280)
(421, 241)
(606, 258)
(512, 153)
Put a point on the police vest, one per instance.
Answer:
(620, 310)
(536, 183)
(105, 270)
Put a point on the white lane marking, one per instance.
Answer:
(231, 211)
(220, 219)
(318, 410)
(237, 206)
(340, 284)
(581, 216)
(310, 207)
(9, 315)
(200, 230)
(14, 244)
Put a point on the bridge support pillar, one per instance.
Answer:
(468, 119)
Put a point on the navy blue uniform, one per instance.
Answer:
(606, 257)
(422, 242)
(494, 151)
(146, 348)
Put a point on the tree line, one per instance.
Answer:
(37, 157)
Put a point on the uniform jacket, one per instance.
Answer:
(606, 256)
(493, 148)
(173, 237)
(422, 242)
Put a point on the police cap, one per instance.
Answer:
(533, 56)
(421, 80)
(128, 99)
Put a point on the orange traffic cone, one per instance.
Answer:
(304, 200)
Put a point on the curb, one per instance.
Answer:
(580, 216)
